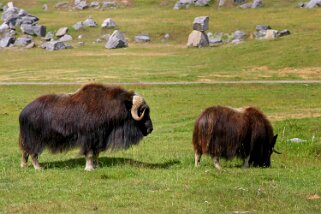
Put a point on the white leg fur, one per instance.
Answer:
(35, 162)
(197, 159)
(246, 162)
(24, 160)
(216, 163)
(89, 162)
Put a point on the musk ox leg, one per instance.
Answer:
(197, 158)
(24, 159)
(216, 162)
(35, 162)
(246, 162)
(90, 158)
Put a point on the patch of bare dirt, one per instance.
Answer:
(303, 113)
(313, 197)
(304, 73)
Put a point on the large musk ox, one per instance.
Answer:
(94, 118)
(226, 132)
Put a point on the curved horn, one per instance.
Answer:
(276, 151)
(137, 102)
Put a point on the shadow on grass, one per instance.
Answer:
(109, 162)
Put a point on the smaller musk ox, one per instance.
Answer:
(226, 132)
(94, 118)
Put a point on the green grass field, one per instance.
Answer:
(158, 175)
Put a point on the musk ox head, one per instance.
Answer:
(140, 113)
(262, 156)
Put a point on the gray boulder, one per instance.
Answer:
(197, 39)
(62, 5)
(38, 30)
(215, 39)
(236, 41)
(201, 23)
(262, 27)
(23, 41)
(95, 4)
(142, 38)
(108, 4)
(81, 4)
(116, 40)
(4, 27)
(49, 36)
(65, 38)
(246, 6)
(7, 41)
(61, 31)
(27, 19)
(257, 3)
(183, 4)
(239, 35)
(55, 45)
(108, 23)
(202, 3)
(78, 26)
(89, 22)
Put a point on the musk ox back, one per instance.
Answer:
(226, 132)
(94, 118)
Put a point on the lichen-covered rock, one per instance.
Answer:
(197, 39)
(201, 23)
(116, 40)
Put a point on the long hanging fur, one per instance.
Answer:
(228, 133)
(94, 118)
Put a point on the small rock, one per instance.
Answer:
(65, 38)
(78, 26)
(197, 39)
(201, 23)
(89, 22)
(49, 36)
(95, 4)
(62, 5)
(116, 40)
(108, 23)
(6, 41)
(108, 4)
(239, 35)
(61, 31)
(246, 6)
(297, 140)
(23, 41)
(142, 38)
(257, 3)
(262, 27)
(55, 45)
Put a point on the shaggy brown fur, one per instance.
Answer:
(226, 132)
(94, 118)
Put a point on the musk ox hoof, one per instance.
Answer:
(23, 165)
(38, 168)
(88, 169)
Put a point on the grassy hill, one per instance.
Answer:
(291, 57)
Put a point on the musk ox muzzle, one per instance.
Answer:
(224, 132)
(94, 118)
